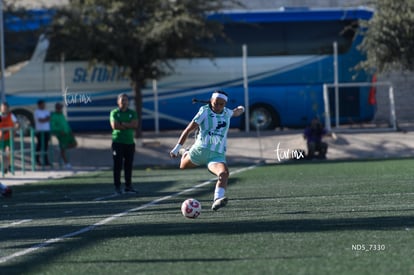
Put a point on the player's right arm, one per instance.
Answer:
(115, 125)
(183, 137)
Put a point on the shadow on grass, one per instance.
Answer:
(251, 226)
(52, 199)
(103, 233)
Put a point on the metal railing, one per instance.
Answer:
(26, 150)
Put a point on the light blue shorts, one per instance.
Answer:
(200, 156)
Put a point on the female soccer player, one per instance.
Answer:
(212, 121)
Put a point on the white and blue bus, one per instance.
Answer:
(290, 57)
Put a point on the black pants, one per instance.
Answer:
(42, 147)
(317, 147)
(123, 156)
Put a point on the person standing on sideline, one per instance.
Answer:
(42, 127)
(123, 121)
(7, 120)
(212, 122)
(61, 129)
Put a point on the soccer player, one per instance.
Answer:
(59, 127)
(7, 120)
(212, 122)
(123, 121)
(42, 126)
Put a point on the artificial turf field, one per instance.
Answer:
(302, 218)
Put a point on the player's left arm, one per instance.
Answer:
(238, 111)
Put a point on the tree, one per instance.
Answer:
(389, 37)
(142, 36)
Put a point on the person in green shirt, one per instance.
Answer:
(60, 128)
(123, 121)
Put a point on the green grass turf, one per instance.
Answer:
(302, 218)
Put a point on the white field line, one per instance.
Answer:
(110, 219)
(15, 223)
(106, 197)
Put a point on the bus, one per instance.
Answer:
(290, 55)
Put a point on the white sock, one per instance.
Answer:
(219, 193)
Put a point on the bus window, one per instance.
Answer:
(283, 38)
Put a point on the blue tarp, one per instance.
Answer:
(293, 15)
(29, 20)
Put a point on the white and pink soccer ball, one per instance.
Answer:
(191, 208)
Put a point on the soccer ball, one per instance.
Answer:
(191, 208)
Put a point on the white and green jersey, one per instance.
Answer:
(213, 128)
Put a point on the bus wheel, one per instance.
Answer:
(25, 119)
(263, 117)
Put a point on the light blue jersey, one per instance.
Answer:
(213, 129)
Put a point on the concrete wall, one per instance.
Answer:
(403, 84)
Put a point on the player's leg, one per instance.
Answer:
(129, 152)
(4, 149)
(186, 161)
(45, 153)
(8, 155)
(221, 170)
(311, 150)
(117, 156)
(38, 147)
(323, 150)
(42, 146)
(62, 147)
